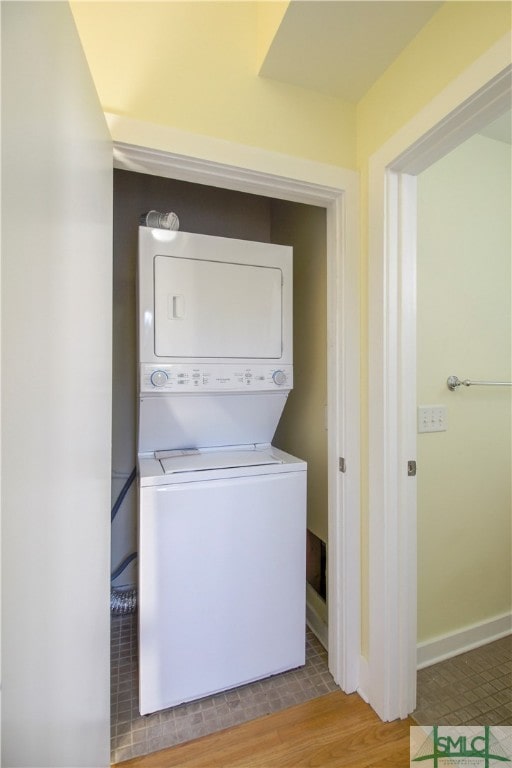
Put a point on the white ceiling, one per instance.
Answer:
(341, 47)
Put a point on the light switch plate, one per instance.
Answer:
(432, 418)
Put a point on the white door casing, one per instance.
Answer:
(144, 148)
(479, 95)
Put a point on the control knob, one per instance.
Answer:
(279, 377)
(159, 378)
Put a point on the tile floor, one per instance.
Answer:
(133, 735)
(474, 688)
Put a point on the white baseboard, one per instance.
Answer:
(444, 647)
(317, 625)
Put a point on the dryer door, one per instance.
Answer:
(214, 309)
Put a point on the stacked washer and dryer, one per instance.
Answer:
(222, 513)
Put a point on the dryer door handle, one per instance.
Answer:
(176, 306)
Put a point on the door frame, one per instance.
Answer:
(479, 95)
(170, 153)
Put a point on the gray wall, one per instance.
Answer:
(201, 209)
(209, 210)
(303, 428)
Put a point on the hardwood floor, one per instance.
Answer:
(333, 731)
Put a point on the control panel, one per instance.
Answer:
(213, 378)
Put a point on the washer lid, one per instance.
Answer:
(194, 461)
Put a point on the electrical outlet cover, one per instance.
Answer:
(432, 418)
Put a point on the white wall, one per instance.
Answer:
(464, 328)
(56, 395)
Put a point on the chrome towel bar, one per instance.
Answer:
(454, 382)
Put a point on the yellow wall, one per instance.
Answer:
(268, 17)
(159, 62)
(465, 328)
(456, 36)
(193, 66)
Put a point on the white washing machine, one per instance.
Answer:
(222, 513)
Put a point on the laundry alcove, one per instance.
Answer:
(227, 213)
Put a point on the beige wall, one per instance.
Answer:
(464, 328)
(303, 430)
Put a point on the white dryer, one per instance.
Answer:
(222, 513)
